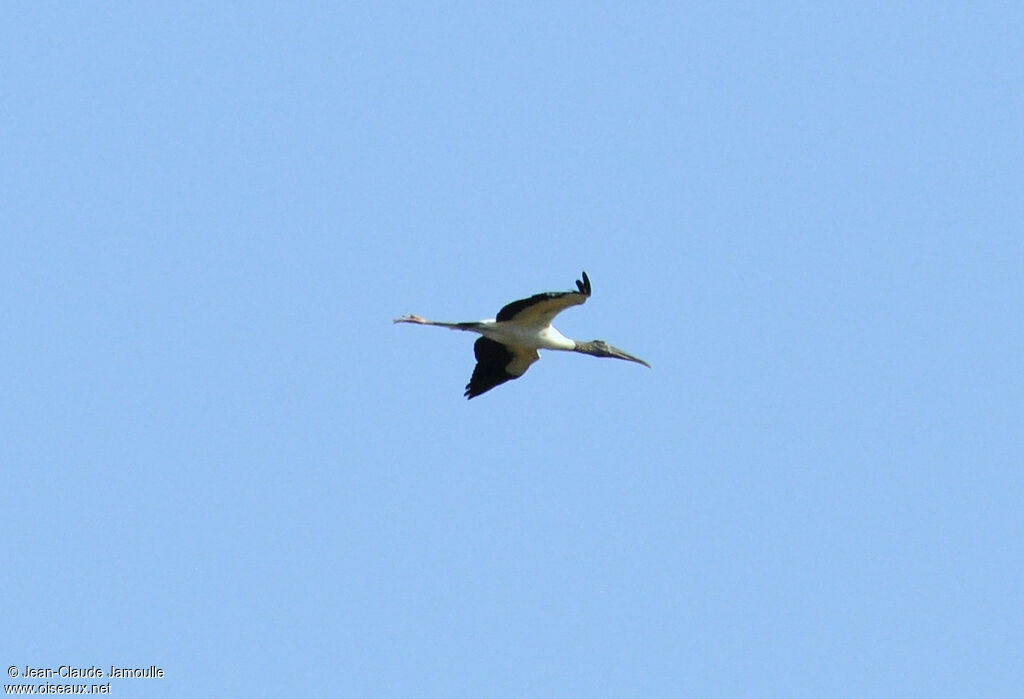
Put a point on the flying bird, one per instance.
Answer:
(510, 342)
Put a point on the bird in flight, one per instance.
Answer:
(510, 342)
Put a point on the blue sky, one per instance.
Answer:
(223, 459)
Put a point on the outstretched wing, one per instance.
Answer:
(497, 363)
(542, 308)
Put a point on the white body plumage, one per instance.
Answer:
(532, 336)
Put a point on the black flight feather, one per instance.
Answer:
(510, 311)
(491, 359)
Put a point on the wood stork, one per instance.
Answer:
(510, 342)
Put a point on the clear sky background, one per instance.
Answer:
(220, 456)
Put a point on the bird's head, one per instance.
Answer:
(600, 348)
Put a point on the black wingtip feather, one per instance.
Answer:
(491, 359)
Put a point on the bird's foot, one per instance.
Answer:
(411, 319)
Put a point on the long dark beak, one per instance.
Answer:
(619, 354)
